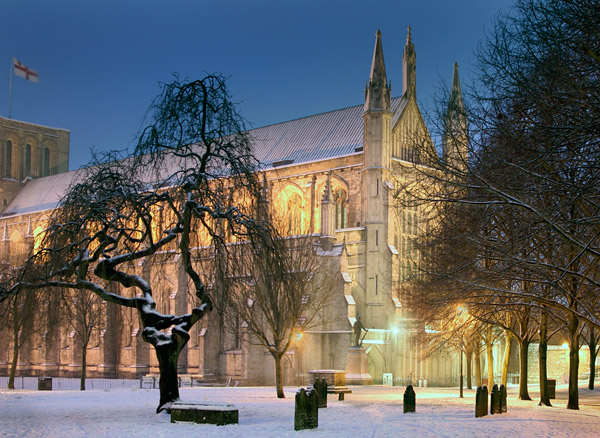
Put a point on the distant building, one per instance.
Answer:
(29, 151)
(337, 175)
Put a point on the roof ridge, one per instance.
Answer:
(304, 117)
(314, 115)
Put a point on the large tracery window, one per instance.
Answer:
(409, 219)
(341, 208)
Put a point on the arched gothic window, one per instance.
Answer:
(27, 160)
(341, 208)
(46, 162)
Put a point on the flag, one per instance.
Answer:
(25, 72)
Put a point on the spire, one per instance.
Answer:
(409, 83)
(455, 136)
(378, 91)
(456, 101)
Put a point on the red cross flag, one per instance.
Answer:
(25, 72)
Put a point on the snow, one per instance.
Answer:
(370, 411)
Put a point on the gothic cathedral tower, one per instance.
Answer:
(377, 119)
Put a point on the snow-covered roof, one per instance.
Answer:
(317, 137)
(40, 194)
(321, 136)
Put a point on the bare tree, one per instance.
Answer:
(18, 313)
(24, 314)
(106, 235)
(83, 312)
(282, 287)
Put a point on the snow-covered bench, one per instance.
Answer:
(197, 412)
(340, 390)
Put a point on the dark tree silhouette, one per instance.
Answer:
(121, 217)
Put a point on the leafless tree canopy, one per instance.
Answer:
(191, 182)
(516, 215)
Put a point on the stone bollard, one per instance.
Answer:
(409, 399)
(307, 411)
(320, 386)
(481, 401)
(495, 401)
(503, 408)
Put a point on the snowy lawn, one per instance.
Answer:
(370, 411)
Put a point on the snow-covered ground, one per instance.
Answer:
(370, 411)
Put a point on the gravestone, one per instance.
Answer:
(307, 412)
(503, 408)
(320, 386)
(495, 401)
(409, 399)
(551, 388)
(481, 401)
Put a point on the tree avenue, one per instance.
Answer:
(516, 217)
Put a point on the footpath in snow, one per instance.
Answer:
(370, 411)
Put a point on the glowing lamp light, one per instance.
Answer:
(565, 345)
(298, 336)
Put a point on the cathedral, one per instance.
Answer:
(336, 175)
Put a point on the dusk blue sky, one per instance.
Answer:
(100, 62)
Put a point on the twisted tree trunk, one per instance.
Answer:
(168, 384)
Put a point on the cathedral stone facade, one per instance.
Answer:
(336, 176)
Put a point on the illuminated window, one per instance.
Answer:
(294, 209)
(38, 237)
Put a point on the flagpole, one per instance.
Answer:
(12, 67)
